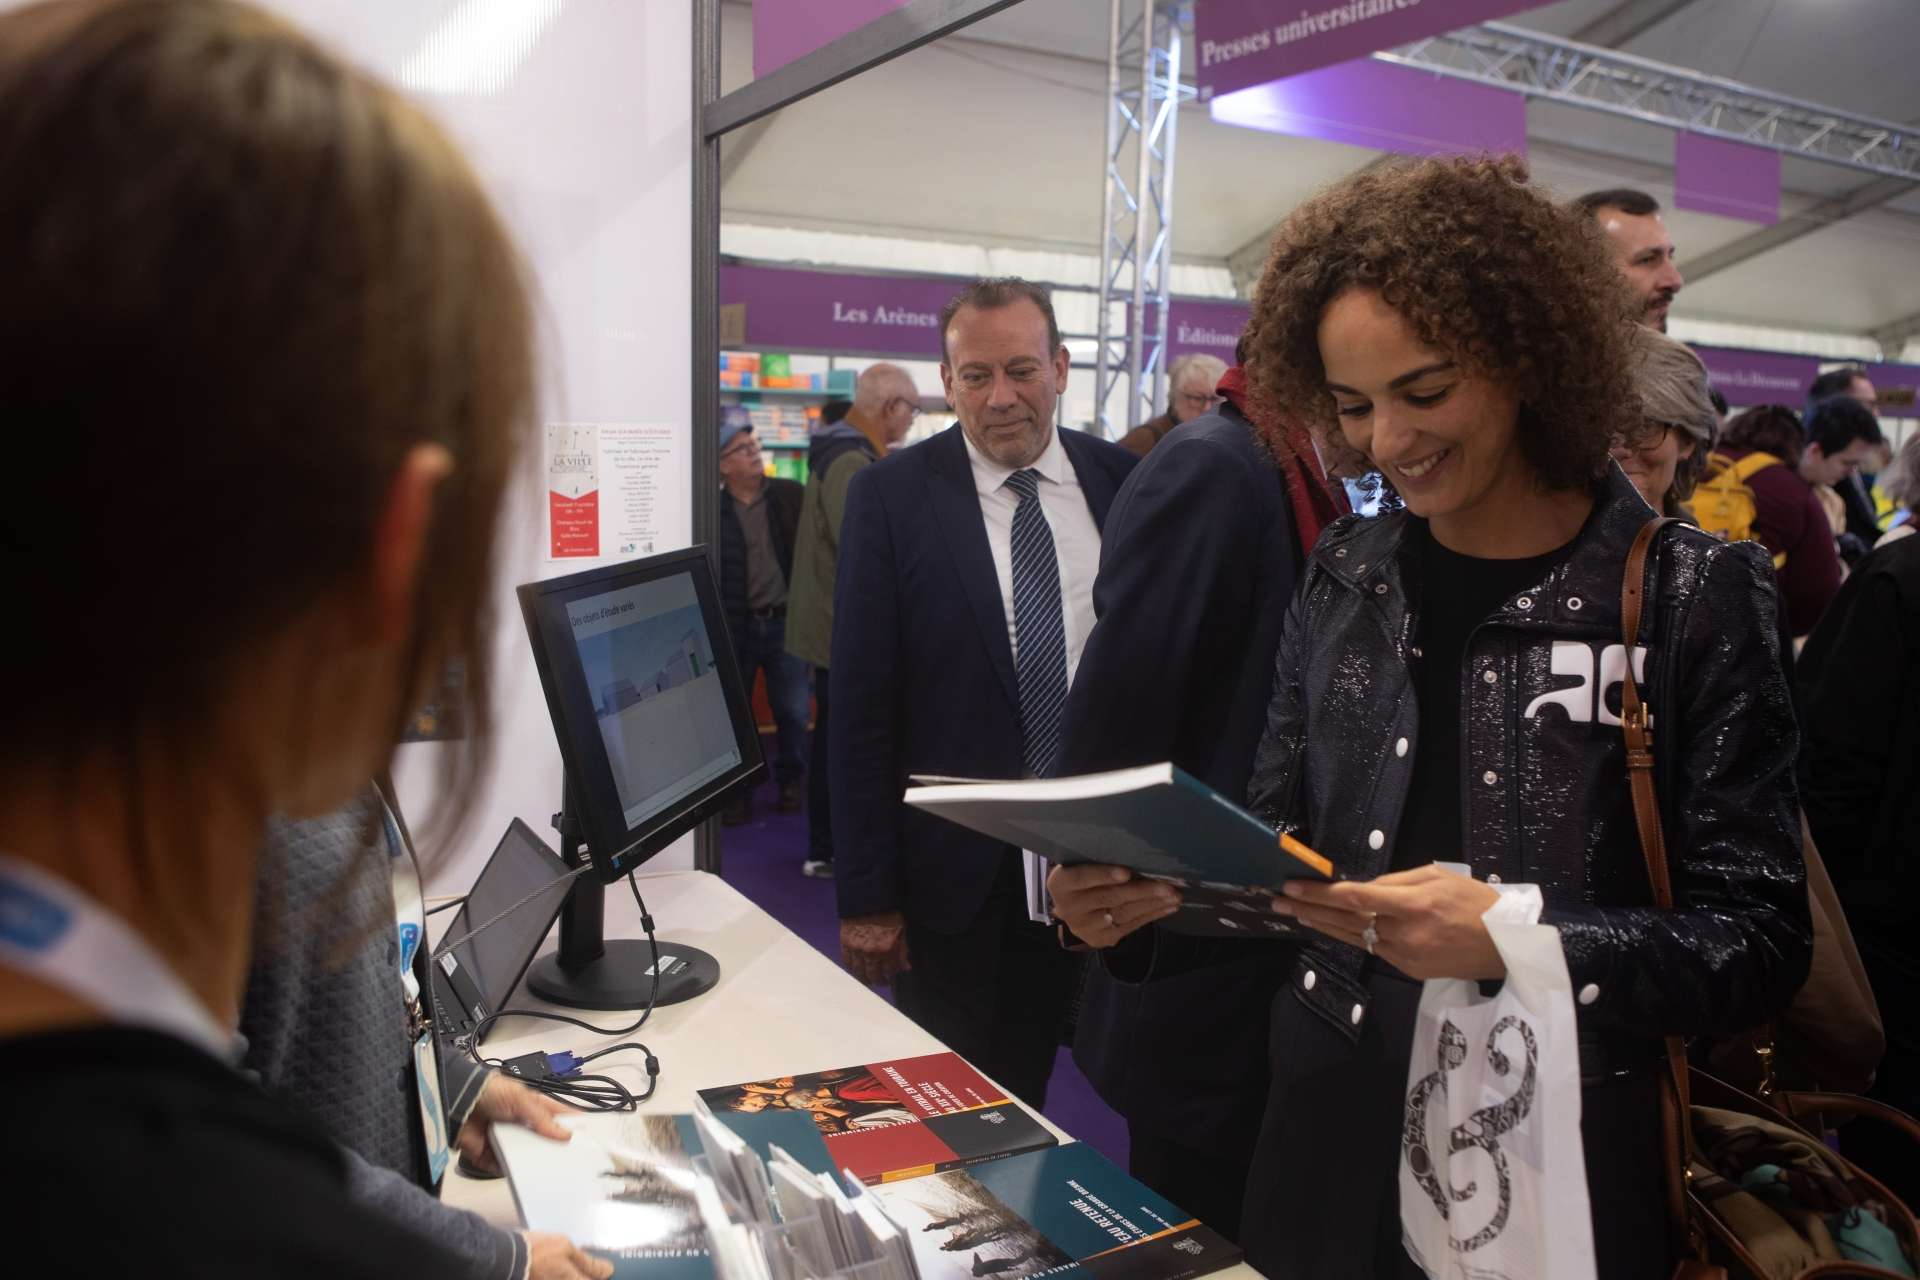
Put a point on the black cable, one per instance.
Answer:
(447, 906)
(586, 1093)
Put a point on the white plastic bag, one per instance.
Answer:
(1493, 1177)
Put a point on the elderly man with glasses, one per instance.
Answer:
(885, 403)
(1191, 382)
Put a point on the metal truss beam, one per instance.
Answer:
(1893, 338)
(1581, 75)
(1792, 227)
(1144, 92)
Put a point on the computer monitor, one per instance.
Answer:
(656, 732)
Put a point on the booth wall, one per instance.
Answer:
(578, 118)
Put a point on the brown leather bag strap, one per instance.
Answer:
(1803, 1106)
(1636, 724)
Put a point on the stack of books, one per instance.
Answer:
(915, 1169)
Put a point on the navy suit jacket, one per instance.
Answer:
(1198, 563)
(923, 675)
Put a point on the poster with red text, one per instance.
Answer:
(614, 488)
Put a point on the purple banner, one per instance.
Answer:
(1239, 43)
(1731, 179)
(784, 30)
(1898, 385)
(826, 311)
(1384, 107)
(1205, 328)
(1759, 377)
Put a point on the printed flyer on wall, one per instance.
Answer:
(614, 488)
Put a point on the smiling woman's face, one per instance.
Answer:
(1651, 459)
(1447, 439)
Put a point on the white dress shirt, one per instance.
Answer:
(1076, 539)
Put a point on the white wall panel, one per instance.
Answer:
(577, 114)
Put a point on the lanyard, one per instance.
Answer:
(58, 934)
(410, 917)
(410, 914)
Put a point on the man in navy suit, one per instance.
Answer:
(963, 599)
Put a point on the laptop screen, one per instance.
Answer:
(488, 966)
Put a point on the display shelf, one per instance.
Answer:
(818, 393)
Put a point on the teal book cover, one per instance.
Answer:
(1156, 820)
(1062, 1212)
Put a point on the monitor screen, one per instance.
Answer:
(522, 871)
(647, 703)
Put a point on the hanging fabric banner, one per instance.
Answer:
(1205, 328)
(1238, 43)
(1731, 179)
(786, 30)
(1384, 107)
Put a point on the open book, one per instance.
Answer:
(1156, 820)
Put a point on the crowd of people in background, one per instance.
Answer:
(1005, 599)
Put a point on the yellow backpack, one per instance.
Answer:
(1723, 502)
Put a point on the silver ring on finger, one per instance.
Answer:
(1371, 935)
(1109, 916)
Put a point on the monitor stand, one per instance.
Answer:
(588, 972)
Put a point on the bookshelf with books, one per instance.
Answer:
(764, 390)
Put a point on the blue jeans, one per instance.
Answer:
(761, 646)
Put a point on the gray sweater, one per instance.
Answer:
(324, 1025)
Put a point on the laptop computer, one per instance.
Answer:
(477, 977)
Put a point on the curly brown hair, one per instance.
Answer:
(1484, 266)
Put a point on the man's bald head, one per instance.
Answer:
(884, 396)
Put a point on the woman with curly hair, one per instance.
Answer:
(1447, 692)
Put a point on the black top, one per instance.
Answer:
(133, 1153)
(1860, 687)
(1457, 594)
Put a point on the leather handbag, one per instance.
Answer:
(1722, 1242)
(1831, 1036)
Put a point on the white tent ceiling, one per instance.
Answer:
(996, 137)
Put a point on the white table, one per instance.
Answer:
(780, 1008)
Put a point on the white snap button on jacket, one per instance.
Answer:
(1307, 980)
(1575, 603)
(1493, 879)
(1400, 747)
(1490, 778)
(1357, 1014)
(1489, 676)
(1376, 838)
(1525, 602)
(1379, 588)
(1589, 993)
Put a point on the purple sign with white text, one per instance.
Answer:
(828, 311)
(1758, 377)
(1388, 108)
(1238, 43)
(1205, 328)
(784, 30)
(1731, 179)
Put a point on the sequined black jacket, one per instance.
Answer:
(1544, 791)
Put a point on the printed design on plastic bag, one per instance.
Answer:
(1483, 1129)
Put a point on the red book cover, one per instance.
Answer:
(885, 1121)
